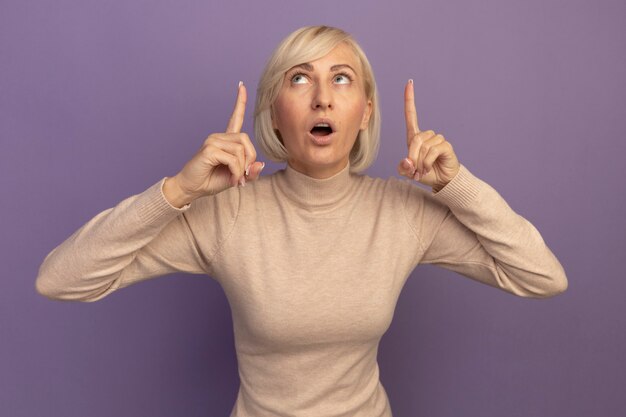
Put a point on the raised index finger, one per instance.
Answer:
(410, 114)
(236, 119)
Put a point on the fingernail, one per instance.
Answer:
(409, 165)
(262, 167)
(248, 170)
(410, 80)
(416, 177)
(240, 84)
(242, 181)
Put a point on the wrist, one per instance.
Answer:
(174, 194)
(451, 176)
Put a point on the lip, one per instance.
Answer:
(321, 140)
(323, 120)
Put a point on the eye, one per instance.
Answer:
(298, 78)
(343, 78)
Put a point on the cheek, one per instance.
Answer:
(281, 113)
(358, 114)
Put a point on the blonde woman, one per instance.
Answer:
(313, 257)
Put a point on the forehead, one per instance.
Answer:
(342, 54)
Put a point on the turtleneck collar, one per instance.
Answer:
(312, 193)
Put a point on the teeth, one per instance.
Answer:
(322, 125)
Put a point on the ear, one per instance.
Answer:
(366, 115)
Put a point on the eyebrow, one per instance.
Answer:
(309, 67)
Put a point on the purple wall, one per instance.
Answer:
(99, 100)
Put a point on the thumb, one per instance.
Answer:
(406, 168)
(255, 170)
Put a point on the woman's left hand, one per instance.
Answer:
(431, 159)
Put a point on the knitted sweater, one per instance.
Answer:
(312, 270)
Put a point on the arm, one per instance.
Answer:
(141, 237)
(467, 227)
(145, 236)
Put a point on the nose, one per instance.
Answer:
(322, 98)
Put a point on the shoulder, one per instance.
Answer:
(216, 212)
(405, 196)
(392, 188)
(232, 198)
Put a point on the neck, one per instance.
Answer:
(316, 193)
(317, 171)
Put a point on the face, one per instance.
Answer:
(320, 110)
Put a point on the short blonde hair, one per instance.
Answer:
(305, 45)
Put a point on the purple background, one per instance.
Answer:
(100, 99)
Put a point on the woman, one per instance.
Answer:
(312, 258)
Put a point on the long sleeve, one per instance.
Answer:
(467, 227)
(141, 237)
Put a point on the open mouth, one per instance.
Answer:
(321, 129)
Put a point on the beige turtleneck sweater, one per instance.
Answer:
(312, 270)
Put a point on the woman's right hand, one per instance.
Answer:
(224, 160)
